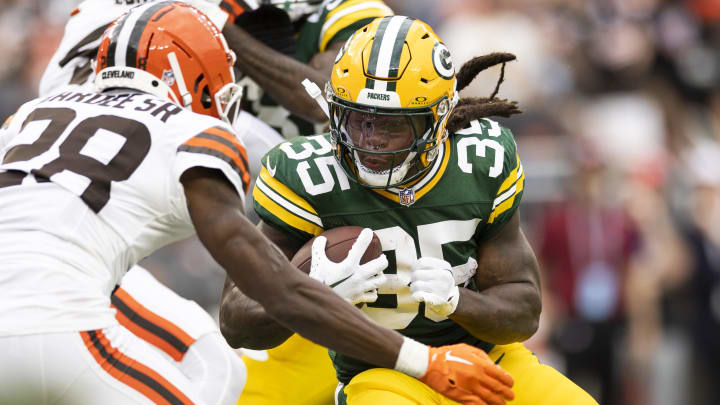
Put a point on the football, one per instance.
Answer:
(339, 242)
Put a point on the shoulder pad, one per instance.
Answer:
(292, 173)
(338, 15)
(283, 160)
(486, 149)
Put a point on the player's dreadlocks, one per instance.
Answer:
(473, 108)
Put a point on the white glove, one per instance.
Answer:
(432, 282)
(349, 279)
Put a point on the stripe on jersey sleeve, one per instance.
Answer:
(234, 8)
(221, 144)
(132, 372)
(347, 14)
(150, 326)
(285, 205)
(509, 189)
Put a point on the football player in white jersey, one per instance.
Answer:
(70, 66)
(184, 333)
(92, 182)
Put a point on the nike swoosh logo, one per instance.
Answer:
(271, 170)
(450, 357)
(339, 282)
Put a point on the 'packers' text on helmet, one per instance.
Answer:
(171, 50)
(391, 92)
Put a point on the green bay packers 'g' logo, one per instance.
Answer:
(442, 61)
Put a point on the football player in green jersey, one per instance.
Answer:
(276, 53)
(440, 185)
(278, 44)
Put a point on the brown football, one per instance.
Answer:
(339, 242)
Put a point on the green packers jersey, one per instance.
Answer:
(336, 21)
(471, 191)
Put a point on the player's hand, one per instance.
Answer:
(466, 374)
(349, 279)
(432, 282)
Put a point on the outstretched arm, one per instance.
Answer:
(244, 322)
(507, 308)
(281, 75)
(262, 272)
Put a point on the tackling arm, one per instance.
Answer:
(507, 308)
(281, 75)
(263, 273)
(244, 322)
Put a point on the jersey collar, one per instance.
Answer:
(425, 183)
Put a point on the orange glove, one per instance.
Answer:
(466, 374)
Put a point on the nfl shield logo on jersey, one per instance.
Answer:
(407, 196)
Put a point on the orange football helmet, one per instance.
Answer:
(171, 50)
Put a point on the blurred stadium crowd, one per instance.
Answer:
(621, 143)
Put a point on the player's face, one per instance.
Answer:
(381, 133)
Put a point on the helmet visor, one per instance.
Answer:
(383, 141)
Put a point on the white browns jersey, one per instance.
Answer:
(90, 185)
(70, 65)
(70, 68)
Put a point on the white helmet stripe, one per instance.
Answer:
(126, 40)
(391, 44)
(124, 37)
(389, 39)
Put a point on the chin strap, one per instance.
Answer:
(179, 79)
(314, 91)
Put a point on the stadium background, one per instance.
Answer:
(620, 138)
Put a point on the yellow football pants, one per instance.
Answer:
(300, 372)
(535, 384)
(297, 372)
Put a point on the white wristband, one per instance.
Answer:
(413, 358)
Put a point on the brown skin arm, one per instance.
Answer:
(264, 274)
(244, 322)
(281, 75)
(507, 308)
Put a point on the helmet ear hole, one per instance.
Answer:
(205, 98)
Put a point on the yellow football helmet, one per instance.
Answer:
(393, 76)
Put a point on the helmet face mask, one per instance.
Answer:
(388, 109)
(228, 100)
(382, 148)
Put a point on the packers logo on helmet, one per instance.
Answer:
(391, 92)
(442, 62)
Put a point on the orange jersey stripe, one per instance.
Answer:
(224, 150)
(139, 328)
(147, 336)
(232, 8)
(131, 372)
(230, 138)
